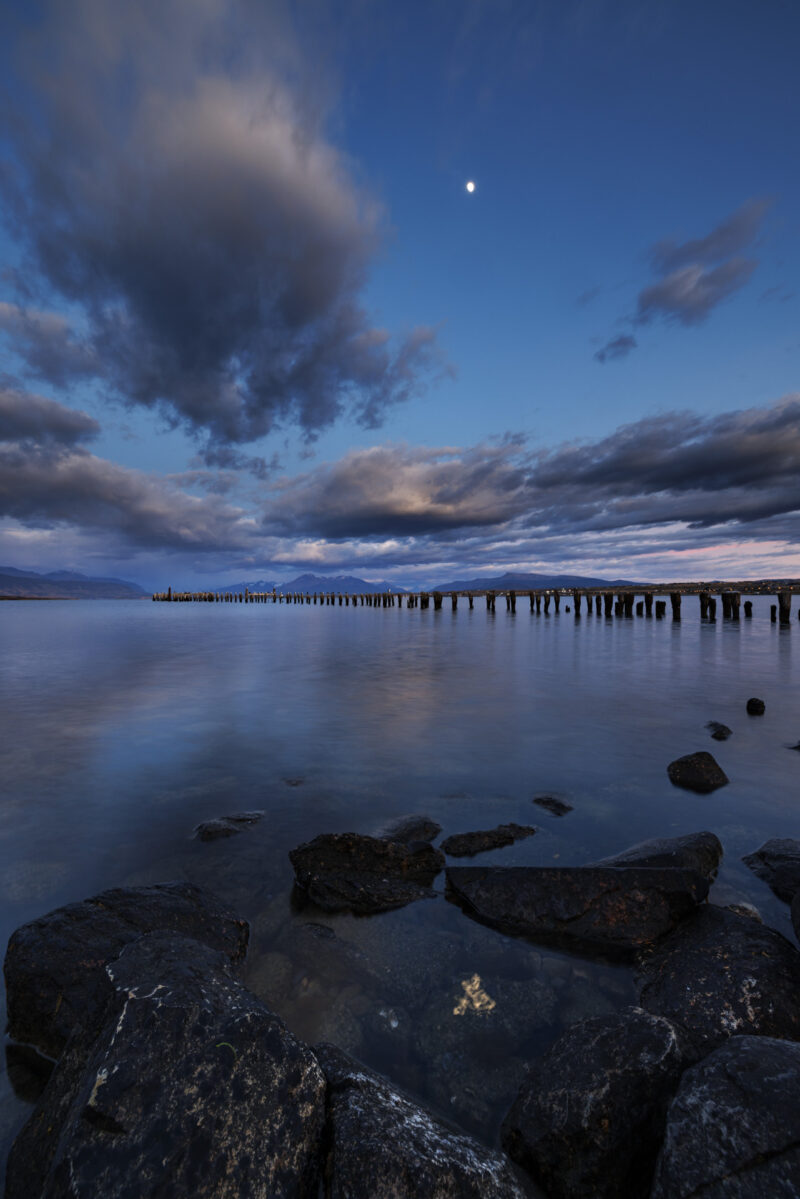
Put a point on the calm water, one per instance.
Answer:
(124, 724)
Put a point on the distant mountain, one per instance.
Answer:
(346, 584)
(528, 582)
(64, 584)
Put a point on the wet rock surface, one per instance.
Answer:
(755, 707)
(719, 732)
(701, 852)
(185, 1085)
(412, 828)
(590, 1114)
(777, 862)
(226, 826)
(697, 772)
(722, 974)
(610, 910)
(733, 1130)
(556, 807)
(383, 1144)
(54, 966)
(466, 845)
(352, 872)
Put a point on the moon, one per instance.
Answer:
(470, 186)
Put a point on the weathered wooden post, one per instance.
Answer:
(619, 606)
(598, 605)
(530, 597)
(736, 600)
(785, 606)
(748, 609)
(628, 600)
(470, 597)
(556, 601)
(725, 596)
(640, 608)
(675, 600)
(437, 601)
(608, 604)
(169, 595)
(661, 609)
(773, 612)
(704, 598)
(454, 601)
(546, 604)
(576, 596)
(648, 604)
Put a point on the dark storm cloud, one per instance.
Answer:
(25, 417)
(620, 347)
(176, 185)
(729, 238)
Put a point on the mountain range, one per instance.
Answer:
(63, 584)
(527, 582)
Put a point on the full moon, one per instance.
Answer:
(470, 186)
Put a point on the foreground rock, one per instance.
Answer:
(54, 965)
(719, 732)
(701, 852)
(733, 1130)
(612, 910)
(721, 974)
(348, 871)
(755, 707)
(697, 772)
(465, 845)
(226, 826)
(777, 862)
(550, 804)
(383, 1144)
(185, 1086)
(589, 1117)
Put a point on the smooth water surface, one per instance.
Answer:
(126, 723)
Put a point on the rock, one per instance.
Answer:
(589, 1117)
(719, 732)
(411, 829)
(556, 806)
(27, 1071)
(697, 772)
(54, 965)
(611, 910)
(755, 707)
(701, 852)
(733, 1128)
(721, 974)
(777, 862)
(349, 871)
(465, 845)
(185, 1086)
(796, 916)
(383, 1144)
(226, 826)
(797, 746)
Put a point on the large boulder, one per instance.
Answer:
(54, 966)
(185, 1085)
(383, 1144)
(777, 862)
(352, 872)
(697, 772)
(610, 910)
(465, 845)
(588, 1120)
(695, 851)
(721, 974)
(733, 1130)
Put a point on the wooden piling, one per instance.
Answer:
(640, 608)
(785, 606)
(661, 609)
(704, 598)
(748, 609)
(608, 604)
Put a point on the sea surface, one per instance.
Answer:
(126, 723)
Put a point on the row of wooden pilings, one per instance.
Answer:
(608, 603)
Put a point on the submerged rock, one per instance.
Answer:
(226, 826)
(556, 806)
(611, 910)
(733, 1128)
(383, 1144)
(777, 862)
(697, 772)
(465, 845)
(349, 871)
(185, 1085)
(412, 828)
(755, 707)
(589, 1117)
(721, 974)
(719, 732)
(54, 966)
(695, 851)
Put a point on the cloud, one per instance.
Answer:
(690, 293)
(174, 183)
(620, 347)
(26, 417)
(47, 343)
(730, 237)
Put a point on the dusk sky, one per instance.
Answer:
(253, 323)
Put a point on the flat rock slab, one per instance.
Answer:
(722, 974)
(557, 807)
(733, 1130)
(54, 966)
(465, 845)
(382, 1144)
(226, 826)
(719, 732)
(695, 851)
(589, 1118)
(610, 910)
(352, 872)
(697, 772)
(777, 862)
(187, 1087)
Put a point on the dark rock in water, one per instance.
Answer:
(54, 966)
(796, 915)
(722, 974)
(733, 1130)
(797, 746)
(588, 1120)
(719, 732)
(549, 802)
(695, 851)
(611, 910)
(777, 862)
(348, 871)
(27, 1071)
(755, 707)
(383, 1144)
(411, 829)
(697, 772)
(464, 845)
(226, 826)
(185, 1086)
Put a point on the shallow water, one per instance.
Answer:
(126, 723)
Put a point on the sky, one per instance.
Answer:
(253, 323)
